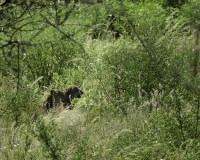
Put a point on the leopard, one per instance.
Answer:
(57, 98)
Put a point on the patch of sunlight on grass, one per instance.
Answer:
(69, 117)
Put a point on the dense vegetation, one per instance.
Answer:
(136, 61)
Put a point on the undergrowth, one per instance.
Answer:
(141, 88)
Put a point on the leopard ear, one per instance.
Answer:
(52, 91)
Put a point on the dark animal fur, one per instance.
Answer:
(57, 98)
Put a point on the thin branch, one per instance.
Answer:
(18, 80)
(197, 119)
(65, 34)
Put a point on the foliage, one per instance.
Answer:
(137, 64)
(25, 48)
(169, 3)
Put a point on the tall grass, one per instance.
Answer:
(140, 100)
(96, 128)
